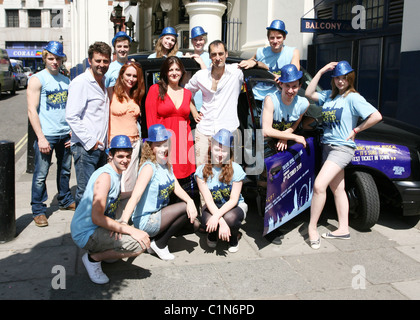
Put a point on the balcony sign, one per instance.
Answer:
(326, 26)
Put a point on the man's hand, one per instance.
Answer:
(44, 146)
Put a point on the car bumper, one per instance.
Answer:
(410, 194)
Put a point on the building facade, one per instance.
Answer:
(26, 26)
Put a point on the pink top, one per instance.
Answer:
(124, 118)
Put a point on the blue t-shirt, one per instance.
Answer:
(52, 104)
(112, 74)
(284, 116)
(155, 196)
(274, 61)
(219, 190)
(340, 116)
(82, 226)
(198, 97)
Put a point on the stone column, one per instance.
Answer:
(207, 15)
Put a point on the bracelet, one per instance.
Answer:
(355, 131)
(256, 62)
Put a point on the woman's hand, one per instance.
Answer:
(224, 231)
(191, 210)
(212, 224)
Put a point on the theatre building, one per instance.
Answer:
(383, 48)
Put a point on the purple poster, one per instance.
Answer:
(290, 179)
(393, 160)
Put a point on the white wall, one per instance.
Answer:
(410, 33)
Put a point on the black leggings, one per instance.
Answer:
(233, 219)
(173, 218)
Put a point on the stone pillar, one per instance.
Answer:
(209, 16)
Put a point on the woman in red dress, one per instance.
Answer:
(169, 104)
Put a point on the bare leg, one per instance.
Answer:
(326, 175)
(112, 255)
(341, 204)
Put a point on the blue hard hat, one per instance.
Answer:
(277, 25)
(56, 48)
(224, 137)
(120, 142)
(290, 73)
(342, 68)
(197, 31)
(121, 34)
(158, 133)
(170, 31)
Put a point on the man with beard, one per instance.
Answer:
(121, 43)
(87, 113)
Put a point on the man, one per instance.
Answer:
(94, 220)
(46, 97)
(87, 113)
(272, 58)
(121, 44)
(221, 85)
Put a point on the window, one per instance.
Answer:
(34, 17)
(12, 18)
(374, 13)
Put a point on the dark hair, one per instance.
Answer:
(113, 151)
(99, 47)
(164, 69)
(137, 92)
(271, 30)
(217, 43)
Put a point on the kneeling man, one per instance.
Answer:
(94, 227)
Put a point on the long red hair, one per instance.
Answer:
(137, 92)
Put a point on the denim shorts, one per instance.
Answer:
(153, 224)
(340, 155)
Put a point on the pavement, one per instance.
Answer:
(45, 264)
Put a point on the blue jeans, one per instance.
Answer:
(85, 163)
(42, 166)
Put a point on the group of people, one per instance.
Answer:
(133, 195)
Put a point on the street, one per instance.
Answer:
(14, 120)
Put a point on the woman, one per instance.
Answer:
(124, 112)
(149, 201)
(341, 108)
(220, 183)
(167, 44)
(199, 40)
(169, 104)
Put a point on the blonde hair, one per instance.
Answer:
(147, 154)
(159, 48)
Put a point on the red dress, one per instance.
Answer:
(178, 122)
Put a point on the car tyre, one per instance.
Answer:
(364, 203)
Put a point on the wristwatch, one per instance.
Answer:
(256, 62)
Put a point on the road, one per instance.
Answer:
(14, 120)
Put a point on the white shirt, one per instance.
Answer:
(87, 111)
(219, 107)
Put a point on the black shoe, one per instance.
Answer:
(274, 237)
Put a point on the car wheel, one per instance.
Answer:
(13, 91)
(364, 204)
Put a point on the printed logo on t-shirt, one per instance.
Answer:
(56, 100)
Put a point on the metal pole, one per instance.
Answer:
(30, 155)
(7, 191)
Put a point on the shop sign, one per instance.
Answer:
(24, 53)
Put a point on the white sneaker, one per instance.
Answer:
(233, 249)
(94, 270)
(164, 253)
